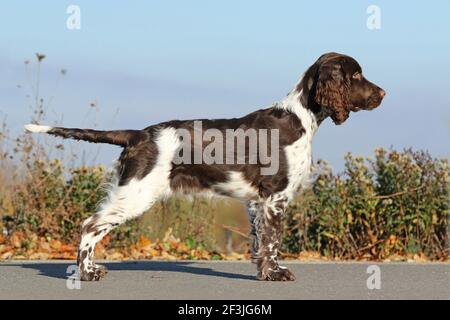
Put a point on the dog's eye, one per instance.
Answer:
(357, 76)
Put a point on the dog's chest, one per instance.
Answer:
(299, 157)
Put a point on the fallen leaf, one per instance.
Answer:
(16, 239)
(55, 244)
(106, 240)
(44, 246)
(114, 256)
(7, 255)
(67, 248)
(39, 256)
(144, 242)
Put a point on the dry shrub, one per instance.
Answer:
(396, 204)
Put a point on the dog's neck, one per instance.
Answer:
(301, 98)
(298, 101)
(292, 103)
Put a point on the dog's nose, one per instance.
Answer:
(382, 93)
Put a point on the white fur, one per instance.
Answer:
(37, 128)
(299, 154)
(237, 186)
(138, 195)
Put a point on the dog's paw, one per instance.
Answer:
(276, 274)
(97, 273)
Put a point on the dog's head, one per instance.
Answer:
(335, 86)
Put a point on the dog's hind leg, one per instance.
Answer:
(93, 230)
(126, 201)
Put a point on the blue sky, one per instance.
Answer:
(143, 62)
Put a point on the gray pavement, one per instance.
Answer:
(226, 280)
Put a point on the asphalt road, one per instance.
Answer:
(226, 280)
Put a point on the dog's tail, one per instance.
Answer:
(116, 137)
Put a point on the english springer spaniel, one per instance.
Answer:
(166, 158)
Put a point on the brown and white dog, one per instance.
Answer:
(149, 167)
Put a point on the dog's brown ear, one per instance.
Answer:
(332, 90)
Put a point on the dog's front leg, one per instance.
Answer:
(254, 209)
(269, 228)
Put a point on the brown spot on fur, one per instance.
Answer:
(91, 226)
(82, 255)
